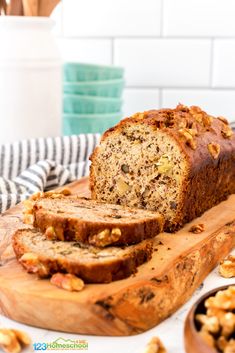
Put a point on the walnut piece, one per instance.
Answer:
(230, 348)
(13, 341)
(224, 299)
(227, 323)
(210, 324)
(227, 267)
(122, 186)
(226, 131)
(164, 164)
(155, 345)
(28, 217)
(106, 237)
(207, 337)
(201, 117)
(197, 228)
(67, 281)
(32, 264)
(214, 149)
(224, 120)
(218, 325)
(50, 233)
(188, 135)
(51, 193)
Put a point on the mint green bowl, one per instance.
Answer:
(78, 104)
(89, 72)
(108, 88)
(74, 124)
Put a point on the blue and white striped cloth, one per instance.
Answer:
(29, 166)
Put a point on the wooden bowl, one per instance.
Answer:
(192, 340)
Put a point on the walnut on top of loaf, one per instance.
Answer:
(174, 161)
(193, 119)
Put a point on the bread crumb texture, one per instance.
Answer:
(169, 160)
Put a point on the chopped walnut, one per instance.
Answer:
(207, 337)
(28, 218)
(210, 324)
(197, 228)
(139, 116)
(33, 265)
(207, 120)
(51, 193)
(226, 131)
(221, 343)
(122, 186)
(50, 233)
(230, 348)
(201, 117)
(106, 237)
(182, 107)
(67, 281)
(188, 135)
(224, 120)
(13, 341)
(164, 164)
(214, 149)
(224, 299)
(155, 346)
(218, 325)
(227, 267)
(227, 323)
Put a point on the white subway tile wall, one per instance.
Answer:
(164, 62)
(140, 99)
(172, 50)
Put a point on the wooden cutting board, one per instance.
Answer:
(179, 264)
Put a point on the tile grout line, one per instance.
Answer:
(194, 88)
(150, 36)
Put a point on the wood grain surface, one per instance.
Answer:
(179, 264)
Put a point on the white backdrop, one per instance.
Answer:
(172, 50)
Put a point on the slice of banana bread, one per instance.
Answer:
(73, 218)
(94, 265)
(179, 162)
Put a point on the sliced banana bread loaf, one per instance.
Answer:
(94, 265)
(99, 224)
(179, 162)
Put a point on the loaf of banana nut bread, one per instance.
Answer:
(94, 265)
(88, 221)
(179, 162)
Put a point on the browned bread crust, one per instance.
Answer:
(179, 162)
(93, 265)
(73, 218)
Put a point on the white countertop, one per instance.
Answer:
(170, 331)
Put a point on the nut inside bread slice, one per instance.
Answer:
(179, 162)
(138, 167)
(94, 265)
(88, 221)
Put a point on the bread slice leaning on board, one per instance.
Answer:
(90, 222)
(94, 265)
(179, 162)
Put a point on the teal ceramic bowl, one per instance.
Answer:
(78, 104)
(74, 124)
(108, 88)
(88, 72)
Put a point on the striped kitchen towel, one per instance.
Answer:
(29, 166)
